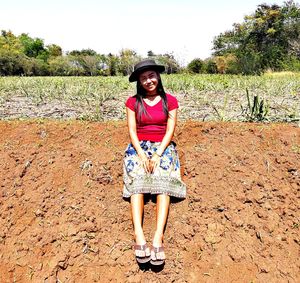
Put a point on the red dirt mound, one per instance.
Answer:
(63, 218)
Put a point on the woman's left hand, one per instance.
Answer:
(154, 162)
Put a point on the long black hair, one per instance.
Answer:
(141, 93)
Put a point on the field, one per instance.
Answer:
(62, 215)
(201, 97)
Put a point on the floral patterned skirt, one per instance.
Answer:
(165, 179)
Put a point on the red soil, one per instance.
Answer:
(63, 218)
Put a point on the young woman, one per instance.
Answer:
(151, 163)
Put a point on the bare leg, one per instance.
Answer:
(137, 210)
(162, 210)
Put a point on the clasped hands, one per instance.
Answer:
(149, 164)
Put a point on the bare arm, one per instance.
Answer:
(171, 124)
(131, 122)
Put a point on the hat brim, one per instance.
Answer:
(135, 75)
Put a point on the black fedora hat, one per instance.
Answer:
(144, 65)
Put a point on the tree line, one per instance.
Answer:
(269, 38)
(24, 55)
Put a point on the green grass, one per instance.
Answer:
(201, 97)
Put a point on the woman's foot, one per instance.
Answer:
(141, 250)
(157, 251)
(158, 239)
(142, 253)
(157, 255)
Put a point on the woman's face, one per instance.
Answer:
(149, 81)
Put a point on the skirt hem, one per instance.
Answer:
(153, 192)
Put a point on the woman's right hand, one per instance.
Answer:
(145, 161)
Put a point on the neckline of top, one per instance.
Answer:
(153, 104)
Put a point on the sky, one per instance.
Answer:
(185, 28)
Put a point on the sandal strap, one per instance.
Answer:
(158, 249)
(140, 247)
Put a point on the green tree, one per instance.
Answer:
(264, 40)
(196, 66)
(112, 62)
(169, 61)
(127, 59)
(83, 52)
(60, 66)
(54, 50)
(10, 43)
(33, 47)
(210, 66)
(85, 62)
(90, 64)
